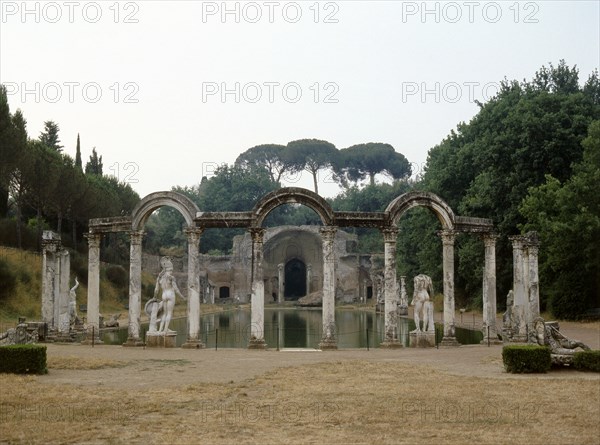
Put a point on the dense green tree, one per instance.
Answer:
(94, 165)
(18, 176)
(311, 155)
(567, 216)
(269, 156)
(486, 167)
(78, 162)
(366, 160)
(7, 150)
(49, 137)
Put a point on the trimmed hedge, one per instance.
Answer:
(526, 358)
(23, 359)
(587, 361)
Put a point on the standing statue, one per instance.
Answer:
(73, 303)
(422, 303)
(167, 282)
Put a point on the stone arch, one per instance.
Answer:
(292, 195)
(402, 203)
(153, 201)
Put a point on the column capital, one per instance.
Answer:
(193, 233)
(328, 232)
(257, 234)
(390, 234)
(532, 249)
(93, 239)
(517, 241)
(489, 239)
(447, 236)
(135, 236)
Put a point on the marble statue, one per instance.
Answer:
(507, 318)
(562, 348)
(166, 282)
(73, 303)
(423, 290)
(402, 297)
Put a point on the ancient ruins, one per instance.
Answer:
(255, 271)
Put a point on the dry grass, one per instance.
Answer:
(80, 363)
(343, 402)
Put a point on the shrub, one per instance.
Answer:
(587, 361)
(118, 276)
(526, 358)
(23, 359)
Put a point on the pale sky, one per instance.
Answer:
(166, 91)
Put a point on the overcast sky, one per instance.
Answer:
(166, 91)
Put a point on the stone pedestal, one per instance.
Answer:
(391, 344)
(160, 340)
(257, 343)
(422, 340)
(328, 344)
(449, 341)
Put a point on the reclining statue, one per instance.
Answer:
(562, 348)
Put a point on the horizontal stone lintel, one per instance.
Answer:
(108, 225)
(223, 219)
(360, 219)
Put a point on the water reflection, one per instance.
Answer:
(295, 328)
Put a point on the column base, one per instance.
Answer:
(257, 343)
(193, 344)
(133, 342)
(328, 345)
(493, 341)
(64, 337)
(449, 341)
(88, 341)
(422, 340)
(391, 344)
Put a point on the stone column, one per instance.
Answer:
(93, 296)
(135, 288)
(534, 286)
(280, 283)
(328, 339)
(519, 314)
(390, 292)
(448, 236)
(489, 290)
(308, 277)
(257, 327)
(50, 249)
(193, 294)
(64, 320)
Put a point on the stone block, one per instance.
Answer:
(422, 339)
(161, 341)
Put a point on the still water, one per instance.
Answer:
(295, 328)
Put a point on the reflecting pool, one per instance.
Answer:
(295, 328)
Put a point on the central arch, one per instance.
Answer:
(295, 279)
(292, 195)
